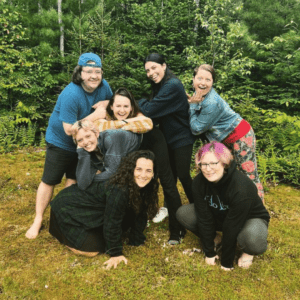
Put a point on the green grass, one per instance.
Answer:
(45, 269)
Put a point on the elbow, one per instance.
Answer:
(68, 132)
(195, 130)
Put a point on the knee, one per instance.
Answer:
(253, 242)
(186, 216)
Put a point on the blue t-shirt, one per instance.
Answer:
(73, 104)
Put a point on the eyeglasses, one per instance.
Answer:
(90, 72)
(211, 165)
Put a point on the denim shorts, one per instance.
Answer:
(59, 162)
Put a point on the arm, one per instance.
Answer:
(115, 209)
(205, 220)
(84, 172)
(204, 117)
(139, 124)
(237, 215)
(99, 113)
(137, 237)
(103, 103)
(169, 99)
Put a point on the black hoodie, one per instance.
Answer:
(225, 206)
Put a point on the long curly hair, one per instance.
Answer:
(139, 198)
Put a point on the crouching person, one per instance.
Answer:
(226, 200)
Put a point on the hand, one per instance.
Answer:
(101, 103)
(211, 260)
(197, 97)
(114, 261)
(100, 112)
(226, 269)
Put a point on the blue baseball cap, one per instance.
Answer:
(85, 57)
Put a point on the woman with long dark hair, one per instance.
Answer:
(168, 109)
(93, 221)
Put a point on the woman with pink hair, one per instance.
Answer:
(225, 200)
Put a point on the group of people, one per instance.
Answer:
(113, 149)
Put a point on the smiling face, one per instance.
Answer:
(155, 71)
(87, 139)
(91, 78)
(121, 107)
(211, 167)
(203, 81)
(143, 172)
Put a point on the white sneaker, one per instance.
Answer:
(161, 215)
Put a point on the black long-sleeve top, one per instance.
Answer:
(225, 206)
(101, 204)
(117, 205)
(169, 108)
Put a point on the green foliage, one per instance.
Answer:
(268, 18)
(13, 137)
(219, 50)
(257, 63)
(276, 76)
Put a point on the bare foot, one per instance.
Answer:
(79, 252)
(34, 230)
(245, 261)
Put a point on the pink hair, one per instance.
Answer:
(218, 149)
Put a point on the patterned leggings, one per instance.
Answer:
(243, 151)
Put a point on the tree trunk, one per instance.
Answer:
(61, 28)
(39, 7)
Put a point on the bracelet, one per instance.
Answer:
(125, 121)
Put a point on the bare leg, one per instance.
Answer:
(69, 182)
(84, 253)
(43, 197)
(245, 261)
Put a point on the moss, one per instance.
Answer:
(45, 269)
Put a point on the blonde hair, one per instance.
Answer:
(83, 124)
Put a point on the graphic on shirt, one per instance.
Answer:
(216, 204)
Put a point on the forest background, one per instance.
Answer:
(255, 48)
(254, 45)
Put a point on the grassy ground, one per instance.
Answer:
(45, 269)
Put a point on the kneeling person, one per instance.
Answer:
(93, 220)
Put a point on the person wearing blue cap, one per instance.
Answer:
(85, 97)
